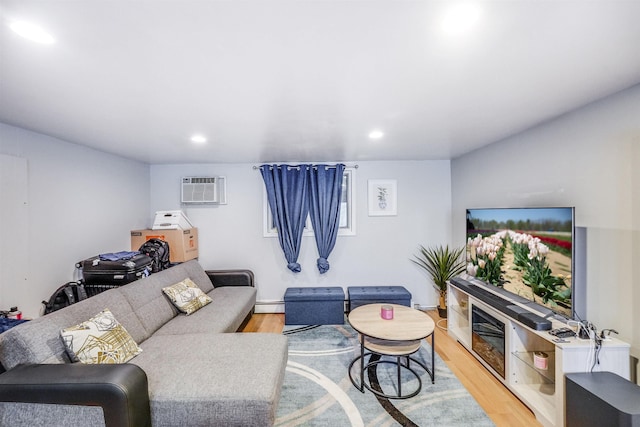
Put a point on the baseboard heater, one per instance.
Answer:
(270, 306)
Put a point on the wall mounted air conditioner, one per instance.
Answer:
(204, 190)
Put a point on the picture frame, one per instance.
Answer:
(383, 197)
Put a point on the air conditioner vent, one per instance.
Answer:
(204, 190)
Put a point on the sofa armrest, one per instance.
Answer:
(231, 277)
(121, 390)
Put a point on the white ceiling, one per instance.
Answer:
(307, 80)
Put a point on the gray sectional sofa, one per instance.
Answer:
(193, 370)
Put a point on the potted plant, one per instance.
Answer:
(442, 264)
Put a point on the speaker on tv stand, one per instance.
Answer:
(534, 321)
(601, 399)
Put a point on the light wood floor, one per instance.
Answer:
(504, 409)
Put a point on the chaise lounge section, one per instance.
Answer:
(195, 370)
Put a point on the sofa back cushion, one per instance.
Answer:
(35, 341)
(39, 341)
(151, 305)
(195, 272)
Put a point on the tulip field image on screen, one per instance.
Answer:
(525, 251)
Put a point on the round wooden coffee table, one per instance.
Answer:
(399, 337)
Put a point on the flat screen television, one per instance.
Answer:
(528, 252)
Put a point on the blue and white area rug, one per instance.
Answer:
(317, 390)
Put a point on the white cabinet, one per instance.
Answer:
(458, 319)
(539, 387)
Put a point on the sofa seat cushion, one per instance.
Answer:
(214, 379)
(225, 313)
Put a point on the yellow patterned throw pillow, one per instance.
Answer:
(187, 296)
(101, 339)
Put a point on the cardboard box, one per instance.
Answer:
(171, 220)
(183, 244)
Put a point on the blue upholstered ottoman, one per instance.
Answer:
(361, 295)
(314, 306)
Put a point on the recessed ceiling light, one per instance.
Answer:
(32, 32)
(198, 139)
(460, 18)
(376, 134)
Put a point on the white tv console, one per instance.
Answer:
(541, 390)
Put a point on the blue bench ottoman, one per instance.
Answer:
(314, 306)
(361, 295)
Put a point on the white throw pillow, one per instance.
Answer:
(187, 296)
(101, 339)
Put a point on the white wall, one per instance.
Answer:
(81, 202)
(588, 159)
(231, 236)
(13, 244)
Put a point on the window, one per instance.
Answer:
(347, 210)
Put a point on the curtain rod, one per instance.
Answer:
(315, 166)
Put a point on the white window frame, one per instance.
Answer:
(349, 197)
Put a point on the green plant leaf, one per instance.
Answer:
(441, 263)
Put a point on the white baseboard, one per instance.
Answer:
(269, 307)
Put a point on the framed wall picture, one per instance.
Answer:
(383, 197)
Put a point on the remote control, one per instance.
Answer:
(562, 332)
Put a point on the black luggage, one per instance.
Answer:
(67, 294)
(158, 251)
(101, 274)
